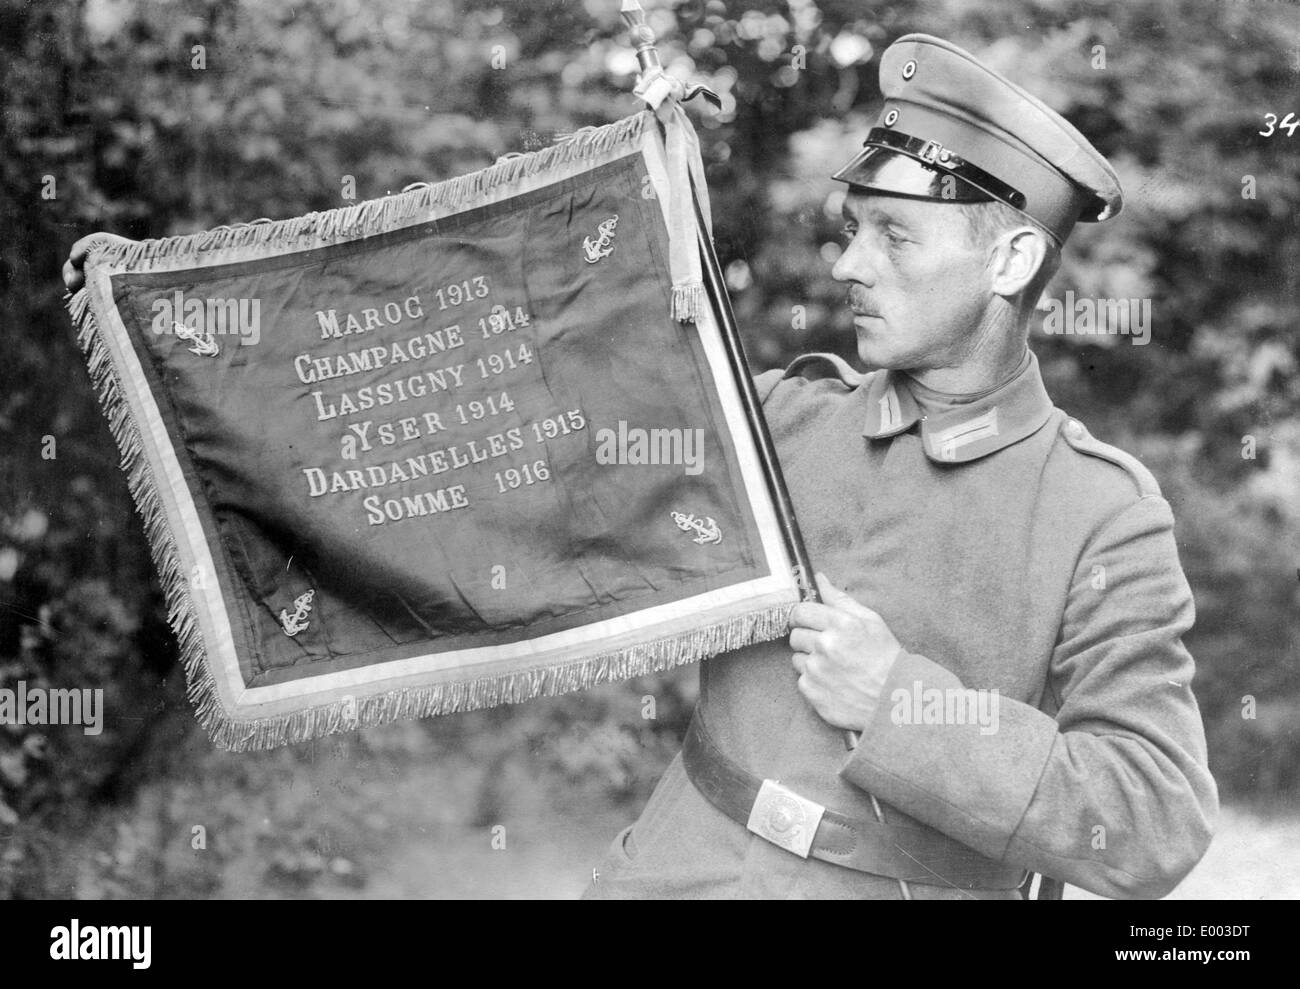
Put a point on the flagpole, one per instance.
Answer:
(749, 401)
(647, 56)
(643, 35)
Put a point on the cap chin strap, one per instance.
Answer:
(880, 171)
(912, 166)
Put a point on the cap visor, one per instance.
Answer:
(886, 171)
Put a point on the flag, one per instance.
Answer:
(466, 445)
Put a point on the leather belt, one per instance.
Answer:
(808, 829)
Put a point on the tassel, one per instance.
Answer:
(688, 302)
(682, 153)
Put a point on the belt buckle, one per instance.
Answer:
(784, 818)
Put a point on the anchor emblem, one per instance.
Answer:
(706, 530)
(603, 246)
(204, 344)
(295, 623)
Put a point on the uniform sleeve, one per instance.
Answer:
(1113, 795)
(765, 382)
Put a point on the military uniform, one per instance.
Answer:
(1007, 549)
(1009, 552)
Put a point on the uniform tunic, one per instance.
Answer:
(1008, 551)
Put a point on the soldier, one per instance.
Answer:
(1006, 630)
(1004, 627)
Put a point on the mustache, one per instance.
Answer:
(857, 299)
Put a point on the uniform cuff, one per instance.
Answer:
(910, 673)
(958, 760)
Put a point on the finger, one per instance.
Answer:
(81, 248)
(836, 598)
(77, 253)
(811, 614)
(804, 640)
(829, 592)
(800, 662)
(73, 276)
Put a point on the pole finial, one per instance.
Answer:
(643, 36)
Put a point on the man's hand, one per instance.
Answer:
(73, 276)
(842, 652)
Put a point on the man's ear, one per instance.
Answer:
(1017, 258)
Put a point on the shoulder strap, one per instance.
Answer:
(1077, 436)
(814, 366)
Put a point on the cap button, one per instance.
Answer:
(909, 69)
(1074, 429)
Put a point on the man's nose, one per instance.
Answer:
(854, 264)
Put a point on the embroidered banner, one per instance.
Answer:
(438, 451)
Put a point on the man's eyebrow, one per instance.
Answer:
(881, 215)
(874, 213)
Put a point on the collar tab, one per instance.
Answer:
(958, 428)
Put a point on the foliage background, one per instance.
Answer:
(294, 97)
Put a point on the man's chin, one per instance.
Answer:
(873, 349)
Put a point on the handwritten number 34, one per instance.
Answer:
(1289, 124)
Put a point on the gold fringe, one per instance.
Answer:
(688, 302)
(417, 203)
(507, 688)
(140, 480)
(414, 204)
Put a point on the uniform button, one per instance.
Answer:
(891, 118)
(1074, 429)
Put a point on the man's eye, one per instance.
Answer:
(895, 238)
(848, 231)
